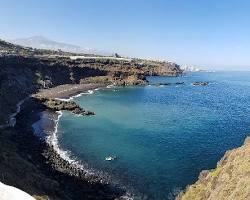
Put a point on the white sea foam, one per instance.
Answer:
(110, 86)
(75, 96)
(52, 140)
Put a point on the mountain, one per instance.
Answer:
(41, 42)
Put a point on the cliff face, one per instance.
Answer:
(24, 71)
(230, 180)
(22, 76)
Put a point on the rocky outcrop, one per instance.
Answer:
(168, 84)
(162, 84)
(58, 105)
(180, 83)
(230, 180)
(23, 71)
(33, 166)
(200, 83)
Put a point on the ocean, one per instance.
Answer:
(162, 136)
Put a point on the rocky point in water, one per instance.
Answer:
(200, 83)
(24, 72)
(58, 105)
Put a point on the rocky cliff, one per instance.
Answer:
(230, 180)
(25, 161)
(23, 71)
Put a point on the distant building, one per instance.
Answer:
(190, 69)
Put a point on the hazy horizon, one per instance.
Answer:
(209, 35)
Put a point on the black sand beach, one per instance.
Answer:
(45, 171)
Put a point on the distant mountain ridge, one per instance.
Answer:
(40, 42)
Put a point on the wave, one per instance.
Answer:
(111, 86)
(90, 91)
(83, 93)
(91, 174)
(50, 135)
(75, 96)
(102, 177)
(52, 140)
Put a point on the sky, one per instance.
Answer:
(210, 34)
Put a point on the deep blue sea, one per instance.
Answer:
(163, 136)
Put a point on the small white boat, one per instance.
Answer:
(110, 158)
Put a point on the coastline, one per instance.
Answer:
(64, 164)
(68, 91)
(205, 175)
(47, 129)
(57, 160)
(220, 183)
(25, 158)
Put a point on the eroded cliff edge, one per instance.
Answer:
(27, 162)
(24, 71)
(230, 180)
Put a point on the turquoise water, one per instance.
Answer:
(163, 136)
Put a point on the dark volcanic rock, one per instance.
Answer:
(200, 83)
(28, 163)
(23, 71)
(58, 105)
(24, 75)
(179, 83)
(159, 84)
(32, 165)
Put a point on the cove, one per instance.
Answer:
(163, 136)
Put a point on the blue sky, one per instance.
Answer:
(205, 33)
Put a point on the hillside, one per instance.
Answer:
(23, 71)
(230, 180)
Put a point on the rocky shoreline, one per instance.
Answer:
(204, 188)
(67, 91)
(59, 105)
(229, 180)
(58, 178)
(26, 161)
